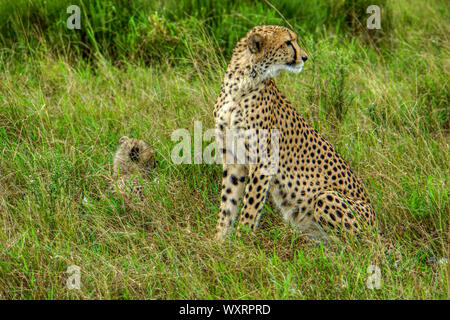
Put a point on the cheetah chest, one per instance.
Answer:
(230, 116)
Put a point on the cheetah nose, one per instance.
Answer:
(304, 58)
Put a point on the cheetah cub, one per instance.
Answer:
(132, 159)
(312, 186)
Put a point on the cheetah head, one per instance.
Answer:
(269, 50)
(133, 155)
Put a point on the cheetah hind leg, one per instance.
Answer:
(336, 212)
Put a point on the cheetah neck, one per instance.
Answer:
(242, 77)
(235, 88)
(243, 74)
(238, 83)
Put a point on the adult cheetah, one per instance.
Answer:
(313, 187)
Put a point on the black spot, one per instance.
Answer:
(134, 154)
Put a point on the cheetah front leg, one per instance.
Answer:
(254, 199)
(233, 181)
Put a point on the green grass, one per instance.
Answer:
(66, 98)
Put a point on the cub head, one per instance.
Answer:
(133, 155)
(270, 50)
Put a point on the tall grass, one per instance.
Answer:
(153, 31)
(144, 69)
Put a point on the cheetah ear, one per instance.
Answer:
(255, 42)
(123, 139)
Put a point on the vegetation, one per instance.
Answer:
(145, 68)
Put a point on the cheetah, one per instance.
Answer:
(132, 158)
(313, 187)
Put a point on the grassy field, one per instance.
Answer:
(144, 69)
